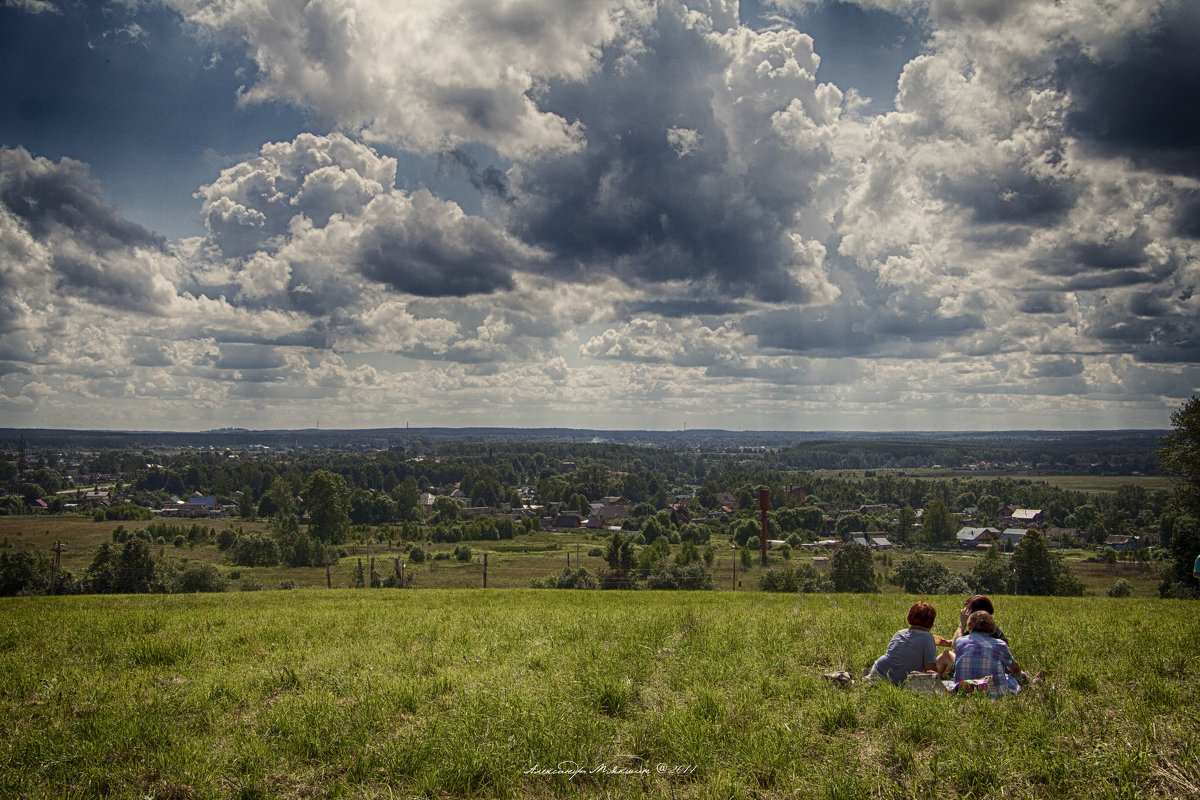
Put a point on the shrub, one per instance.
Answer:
(567, 579)
(596, 552)
(251, 584)
(288, 583)
(180, 541)
(416, 555)
(800, 578)
(920, 574)
(1122, 588)
(462, 553)
(254, 550)
(691, 576)
(201, 578)
(852, 569)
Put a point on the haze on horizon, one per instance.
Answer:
(879, 215)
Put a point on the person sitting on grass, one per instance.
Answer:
(980, 654)
(945, 662)
(913, 649)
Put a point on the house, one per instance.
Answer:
(976, 537)
(879, 541)
(1026, 516)
(1121, 543)
(880, 508)
(1013, 536)
(568, 521)
(797, 493)
(1056, 537)
(200, 507)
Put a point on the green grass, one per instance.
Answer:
(452, 693)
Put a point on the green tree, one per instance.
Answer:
(937, 525)
(1180, 454)
(1038, 571)
(904, 528)
(920, 574)
(445, 509)
(991, 574)
(327, 497)
(852, 569)
(620, 558)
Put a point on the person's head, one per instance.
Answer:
(921, 615)
(981, 622)
(979, 603)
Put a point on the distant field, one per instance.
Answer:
(1079, 483)
(540, 694)
(510, 564)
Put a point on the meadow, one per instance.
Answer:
(544, 693)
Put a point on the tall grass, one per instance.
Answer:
(596, 694)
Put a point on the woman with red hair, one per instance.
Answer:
(913, 649)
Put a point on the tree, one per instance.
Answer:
(1184, 546)
(1180, 454)
(852, 569)
(327, 497)
(902, 531)
(990, 574)
(937, 525)
(445, 509)
(1038, 571)
(620, 559)
(920, 574)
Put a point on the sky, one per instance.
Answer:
(878, 215)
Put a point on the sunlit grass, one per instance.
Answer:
(496, 693)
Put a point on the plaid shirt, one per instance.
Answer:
(980, 656)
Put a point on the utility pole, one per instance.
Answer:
(58, 548)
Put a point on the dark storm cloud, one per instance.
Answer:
(1044, 303)
(249, 357)
(1058, 368)
(1096, 264)
(858, 330)
(1142, 104)
(1161, 336)
(428, 261)
(662, 191)
(56, 199)
(490, 180)
(1187, 214)
(817, 332)
(685, 308)
(1012, 196)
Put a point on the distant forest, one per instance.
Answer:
(1076, 452)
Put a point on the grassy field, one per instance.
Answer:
(511, 564)
(1075, 483)
(539, 694)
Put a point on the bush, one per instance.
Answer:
(251, 584)
(123, 511)
(1122, 588)
(462, 553)
(801, 578)
(254, 550)
(688, 577)
(288, 583)
(596, 552)
(852, 569)
(201, 578)
(416, 555)
(567, 579)
(920, 574)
